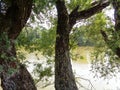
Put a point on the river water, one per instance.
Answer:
(83, 71)
(86, 78)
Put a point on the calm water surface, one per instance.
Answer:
(86, 78)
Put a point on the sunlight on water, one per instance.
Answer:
(85, 77)
(83, 70)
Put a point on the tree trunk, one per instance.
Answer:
(18, 80)
(12, 20)
(64, 78)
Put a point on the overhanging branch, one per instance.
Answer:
(91, 11)
(84, 14)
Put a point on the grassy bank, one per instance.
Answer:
(82, 54)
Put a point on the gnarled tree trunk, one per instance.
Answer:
(12, 20)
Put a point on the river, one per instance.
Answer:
(85, 77)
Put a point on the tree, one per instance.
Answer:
(13, 17)
(66, 21)
(64, 78)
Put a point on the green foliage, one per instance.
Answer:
(20, 55)
(84, 4)
(79, 38)
(47, 42)
(28, 38)
(88, 34)
(11, 71)
(42, 73)
(106, 63)
(38, 40)
(90, 31)
(43, 40)
(6, 53)
(1, 68)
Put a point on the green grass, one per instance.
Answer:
(82, 54)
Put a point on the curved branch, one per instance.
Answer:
(91, 11)
(84, 14)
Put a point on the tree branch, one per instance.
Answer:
(116, 49)
(104, 35)
(84, 14)
(72, 16)
(91, 11)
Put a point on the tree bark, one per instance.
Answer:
(12, 21)
(64, 77)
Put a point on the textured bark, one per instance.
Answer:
(21, 80)
(64, 77)
(11, 24)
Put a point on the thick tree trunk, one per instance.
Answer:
(64, 78)
(18, 80)
(11, 23)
